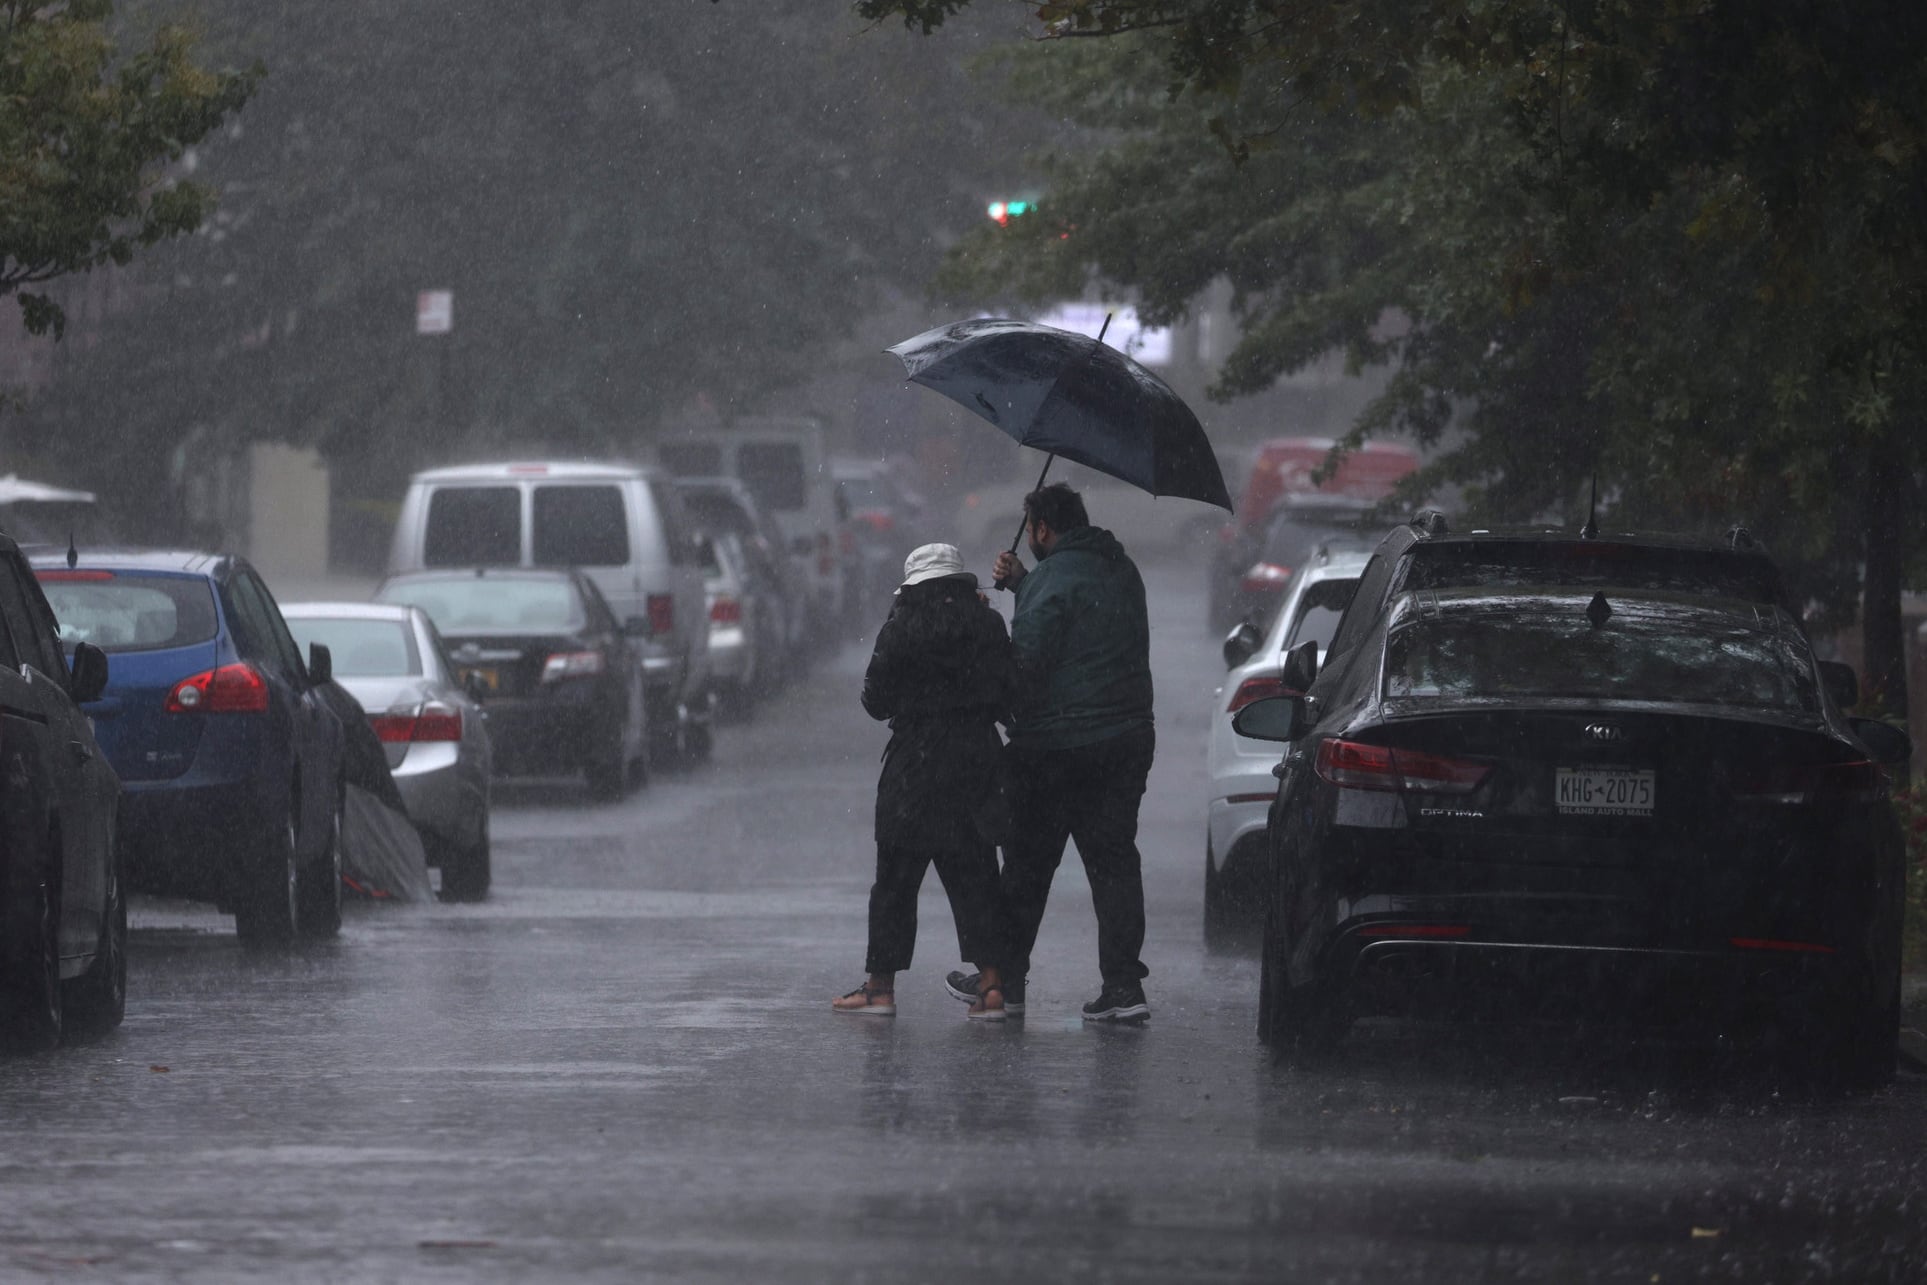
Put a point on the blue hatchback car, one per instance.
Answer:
(228, 755)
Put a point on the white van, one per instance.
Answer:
(785, 462)
(620, 523)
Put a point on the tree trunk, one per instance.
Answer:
(1883, 637)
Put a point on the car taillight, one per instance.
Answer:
(67, 577)
(430, 723)
(571, 664)
(231, 689)
(1265, 577)
(1252, 689)
(1357, 766)
(1859, 780)
(725, 611)
(878, 520)
(662, 613)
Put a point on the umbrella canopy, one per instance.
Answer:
(1073, 396)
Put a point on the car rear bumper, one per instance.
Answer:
(542, 735)
(195, 838)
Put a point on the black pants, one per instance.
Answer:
(1089, 794)
(969, 875)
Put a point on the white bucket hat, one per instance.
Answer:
(934, 562)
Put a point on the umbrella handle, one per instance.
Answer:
(1023, 523)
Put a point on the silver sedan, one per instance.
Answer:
(391, 659)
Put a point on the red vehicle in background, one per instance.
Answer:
(1245, 567)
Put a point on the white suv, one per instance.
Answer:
(1241, 782)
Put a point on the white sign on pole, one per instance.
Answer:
(1150, 346)
(434, 312)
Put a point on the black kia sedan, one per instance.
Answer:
(1568, 802)
(556, 673)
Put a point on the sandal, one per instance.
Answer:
(989, 1006)
(864, 1000)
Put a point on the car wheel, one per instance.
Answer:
(1217, 928)
(1870, 1042)
(466, 871)
(96, 1001)
(267, 910)
(320, 887)
(1303, 1023)
(30, 999)
(608, 774)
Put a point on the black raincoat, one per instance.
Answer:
(943, 676)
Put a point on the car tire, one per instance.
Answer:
(466, 871)
(96, 1001)
(608, 774)
(1869, 1044)
(267, 911)
(31, 1010)
(1217, 925)
(1304, 1023)
(319, 888)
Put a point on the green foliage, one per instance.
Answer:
(87, 133)
(1682, 246)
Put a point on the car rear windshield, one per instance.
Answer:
(1699, 661)
(491, 604)
(361, 648)
(715, 512)
(580, 526)
(119, 612)
(1592, 564)
(471, 526)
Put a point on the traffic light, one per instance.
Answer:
(1002, 212)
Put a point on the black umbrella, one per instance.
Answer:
(1070, 395)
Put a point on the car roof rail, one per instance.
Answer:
(1430, 522)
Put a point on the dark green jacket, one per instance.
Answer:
(1083, 645)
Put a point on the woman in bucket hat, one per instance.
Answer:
(942, 674)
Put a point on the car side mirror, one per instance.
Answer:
(1242, 643)
(1889, 745)
(636, 626)
(1273, 718)
(1841, 683)
(89, 677)
(321, 664)
(1301, 666)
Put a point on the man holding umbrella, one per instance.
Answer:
(1081, 744)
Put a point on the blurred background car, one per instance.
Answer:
(745, 626)
(725, 505)
(555, 668)
(229, 755)
(391, 660)
(63, 921)
(883, 521)
(1238, 768)
(1285, 469)
(1300, 525)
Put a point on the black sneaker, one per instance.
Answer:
(1118, 1004)
(963, 987)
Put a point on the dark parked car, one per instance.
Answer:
(63, 920)
(228, 752)
(551, 664)
(1551, 801)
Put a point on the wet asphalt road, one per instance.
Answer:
(623, 1066)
